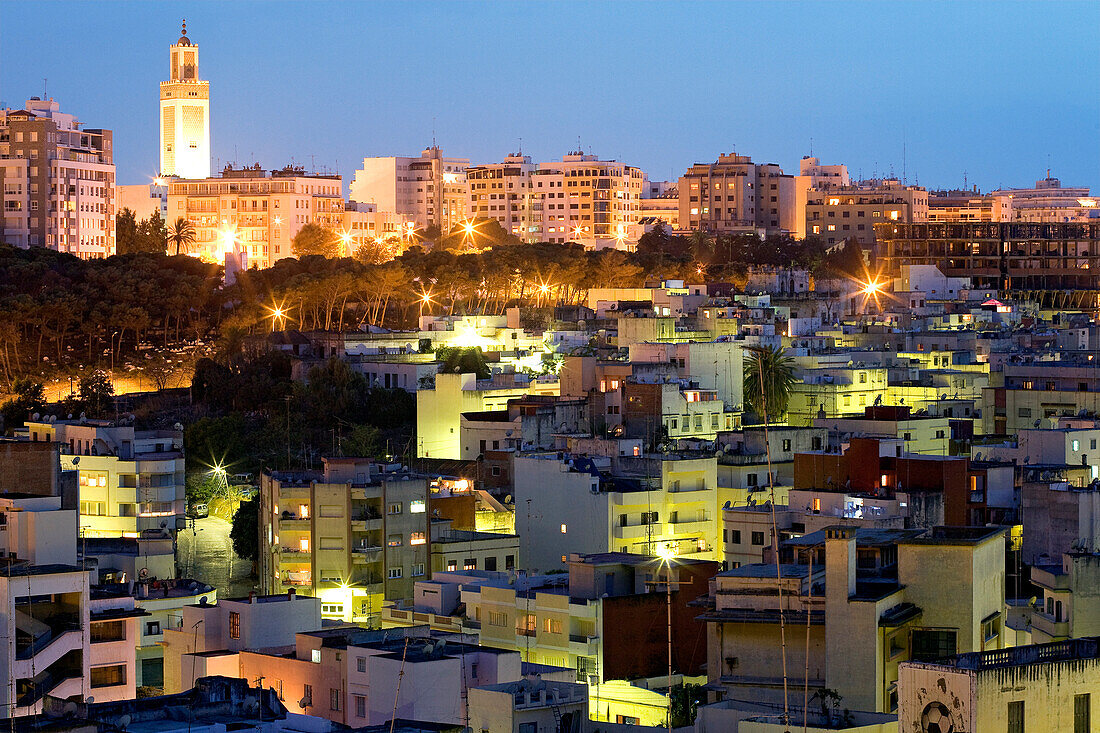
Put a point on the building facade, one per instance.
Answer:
(352, 535)
(733, 195)
(577, 199)
(185, 115)
(57, 181)
(254, 212)
(131, 482)
(428, 191)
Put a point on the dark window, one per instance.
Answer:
(932, 644)
(108, 631)
(333, 698)
(234, 625)
(816, 442)
(109, 676)
(1016, 717)
(1081, 718)
(735, 536)
(490, 563)
(786, 445)
(758, 538)
(509, 562)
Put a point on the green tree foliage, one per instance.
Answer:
(314, 239)
(363, 441)
(463, 360)
(152, 235)
(685, 703)
(126, 232)
(97, 394)
(481, 234)
(769, 379)
(181, 235)
(30, 397)
(245, 532)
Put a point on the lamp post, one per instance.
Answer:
(666, 554)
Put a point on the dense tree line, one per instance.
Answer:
(56, 308)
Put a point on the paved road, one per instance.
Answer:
(206, 554)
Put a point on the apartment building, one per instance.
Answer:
(528, 423)
(358, 677)
(1068, 604)
(1045, 259)
(57, 181)
(352, 535)
(909, 596)
(206, 638)
(1032, 393)
(162, 602)
(577, 199)
(253, 212)
(64, 639)
(593, 505)
(1049, 202)
(1048, 687)
(145, 199)
(946, 206)
(439, 410)
(529, 706)
(733, 195)
(595, 621)
(429, 191)
(840, 213)
(130, 481)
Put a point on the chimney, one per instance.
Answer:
(290, 594)
(251, 596)
(840, 562)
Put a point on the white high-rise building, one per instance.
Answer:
(429, 190)
(185, 115)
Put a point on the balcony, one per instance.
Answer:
(1050, 625)
(637, 531)
(584, 646)
(366, 553)
(38, 625)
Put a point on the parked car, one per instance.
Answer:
(198, 511)
(244, 493)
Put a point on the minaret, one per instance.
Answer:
(185, 115)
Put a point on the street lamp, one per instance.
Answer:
(666, 554)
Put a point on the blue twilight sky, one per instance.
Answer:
(993, 90)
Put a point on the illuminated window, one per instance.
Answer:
(303, 511)
(303, 544)
(817, 503)
(832, 227)
(234, 625)
(417, 538)
(417, 506)
(563, 528)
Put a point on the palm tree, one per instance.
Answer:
(769, 378)
(182, 234)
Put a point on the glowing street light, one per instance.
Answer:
(345, 239)
(278, 313)
(872, 288)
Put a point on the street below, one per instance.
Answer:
(205, 552)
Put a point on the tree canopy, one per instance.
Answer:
(314, 239)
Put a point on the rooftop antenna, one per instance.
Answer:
(433, 132)
(904, 178)
(964, 181)
(811, 146)
(521, 147)
(44, 98)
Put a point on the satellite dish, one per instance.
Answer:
(76, 460)
(507, 498)
(35, 417)
(178, 426)
(123, 721)
(143, 573)
(305, 702)
(726, 505)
